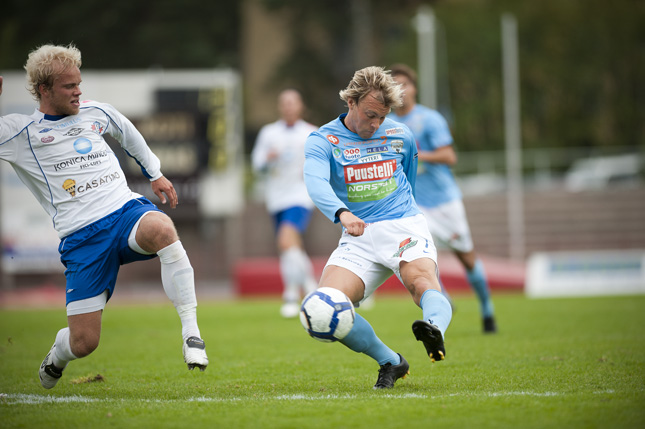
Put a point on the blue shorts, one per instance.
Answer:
(297, 216)
(93, 254)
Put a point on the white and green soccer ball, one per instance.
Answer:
(327, 314)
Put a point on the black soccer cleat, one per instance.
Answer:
(490, 327)
(431, 337)
(389, 373)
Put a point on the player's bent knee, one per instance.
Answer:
(84, 344)
(156, 231)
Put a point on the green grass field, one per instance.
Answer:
(574, 363)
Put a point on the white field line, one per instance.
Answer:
(30, 399)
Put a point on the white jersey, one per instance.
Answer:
(285, 186)
(69, 167)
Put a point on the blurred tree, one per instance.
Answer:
(581, 61)
(124, 34)
(581, 70)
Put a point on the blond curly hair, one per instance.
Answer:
(47, 61)
(370, 79)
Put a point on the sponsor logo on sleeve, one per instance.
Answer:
(333, 139)
(392, 131)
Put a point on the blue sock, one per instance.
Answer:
(436, 309)
(479, 283)
(363, 339)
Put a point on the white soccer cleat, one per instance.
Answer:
(48, 373)
(195, 353)
(289, 310)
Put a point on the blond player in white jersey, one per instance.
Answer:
(279, 156)
(60, 154)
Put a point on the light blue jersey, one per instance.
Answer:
(436, 184)
(374, 178)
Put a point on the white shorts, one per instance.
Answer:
(376, 254)
(449, 226)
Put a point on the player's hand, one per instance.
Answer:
(163, 186)
(352, 224)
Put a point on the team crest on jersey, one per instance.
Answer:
(333, 139)
(74, 132)
(337, 152)
(392, 131)
(404, 245)
(353, 153)
(97, 127)
(397, 145)
(47, 139)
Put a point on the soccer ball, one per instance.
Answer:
(327, 314)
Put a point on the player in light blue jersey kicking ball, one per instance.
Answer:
(360, 171)
(60, 154)
(437, 192)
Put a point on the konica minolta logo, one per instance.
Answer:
(82, 161)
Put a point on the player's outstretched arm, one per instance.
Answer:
(163, 186)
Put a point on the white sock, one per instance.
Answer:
(296, 270)
(63, 351)
(310, 283)
(178, 279)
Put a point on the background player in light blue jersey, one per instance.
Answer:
(101, 222)
(360, 172)
(437, 192)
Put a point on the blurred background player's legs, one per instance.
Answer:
(296, 268)
(476, 275)
(449, 227)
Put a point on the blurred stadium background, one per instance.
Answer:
(200, 79)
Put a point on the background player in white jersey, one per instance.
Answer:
(60, 154)
(279, 155)
(437, 192)
(360, 170)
